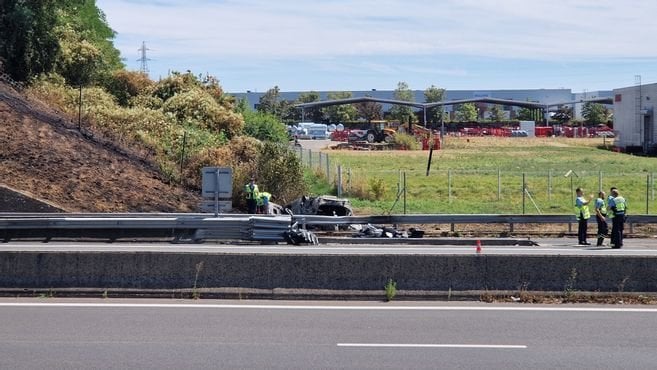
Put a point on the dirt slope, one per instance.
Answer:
(42, 154)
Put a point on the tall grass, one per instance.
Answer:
(485, 175)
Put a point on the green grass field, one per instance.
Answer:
(485, 175)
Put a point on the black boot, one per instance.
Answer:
(600, 241)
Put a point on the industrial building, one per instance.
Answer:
(634, 119)
(542, 96)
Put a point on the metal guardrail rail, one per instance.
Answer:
(200, 226)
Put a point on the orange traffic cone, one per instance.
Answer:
(478, 246)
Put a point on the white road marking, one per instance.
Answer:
(328, 308)
(411, 345)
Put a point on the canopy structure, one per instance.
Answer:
(540, 109)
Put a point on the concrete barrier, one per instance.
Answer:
(153, 271)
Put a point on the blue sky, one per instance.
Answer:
(337, 45)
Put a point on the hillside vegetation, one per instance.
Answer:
(62, 55)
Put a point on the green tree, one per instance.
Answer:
(264, 126)
(339, 113)
(270, 102)
(369, 111)
(497, 113)
(434, 94)
(466, 113)
(595, 113)
(84, 23)
(525, 114)
(27, 44)
(311, 114)
(563, 115)
(403, 113)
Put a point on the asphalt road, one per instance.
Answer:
(557, 246)
(124, 334)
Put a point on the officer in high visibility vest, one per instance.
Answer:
(251, 191)
(601, 217)
(263, 202)
(618, 207)
(583, 214)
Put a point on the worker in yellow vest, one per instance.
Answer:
(251, 191)
(263, 202)
(618, 207)
(583, 214)
(601, 217)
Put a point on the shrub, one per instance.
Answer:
(264, 126)
(125, 85)
(406, 141)
(377, 188)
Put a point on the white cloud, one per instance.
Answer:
(538, 29)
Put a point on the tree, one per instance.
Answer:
(595, 113)
(311, 114)
(370, 111)
(497, 113)
(339, 113)
(270, 102)
(434, 94)
(28, 46)
(466, 113)
(525, 114)
(403, 113)
(264, 127)
(563, 115)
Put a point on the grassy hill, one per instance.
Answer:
(43, 154)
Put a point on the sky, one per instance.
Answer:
(350, 45)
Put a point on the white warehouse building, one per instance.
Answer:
(634, 118)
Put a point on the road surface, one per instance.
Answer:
(144, 334)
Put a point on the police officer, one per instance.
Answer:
(583, 214)
(600, 216)
(251, 191)
(618, 207)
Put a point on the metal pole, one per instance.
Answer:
(339, 185)
(349, 179)
(647, 192)
(449, 185)
(182, 154)
(523, 193)
(80, 110)
(599, 181)
(310, 158)
(442, 125)
(572, 191)
(550, 185)
(499, 184)
(216, 193)
(424, 109)
(328, 168)
(404, 192)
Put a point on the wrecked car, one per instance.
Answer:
(323, 205)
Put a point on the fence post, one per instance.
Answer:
(328, 168)
(310, 158)
(300, 150)
(349, 179)
(319, 165)
(550, 186)
(339, 181)
(449, 185)
(599, 181)
(647, 192)
(523, 193)
(499, 184)
(404, 192)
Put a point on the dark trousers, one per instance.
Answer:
(582, 226)
(252, 205)
(603, 229)
(617, 225)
